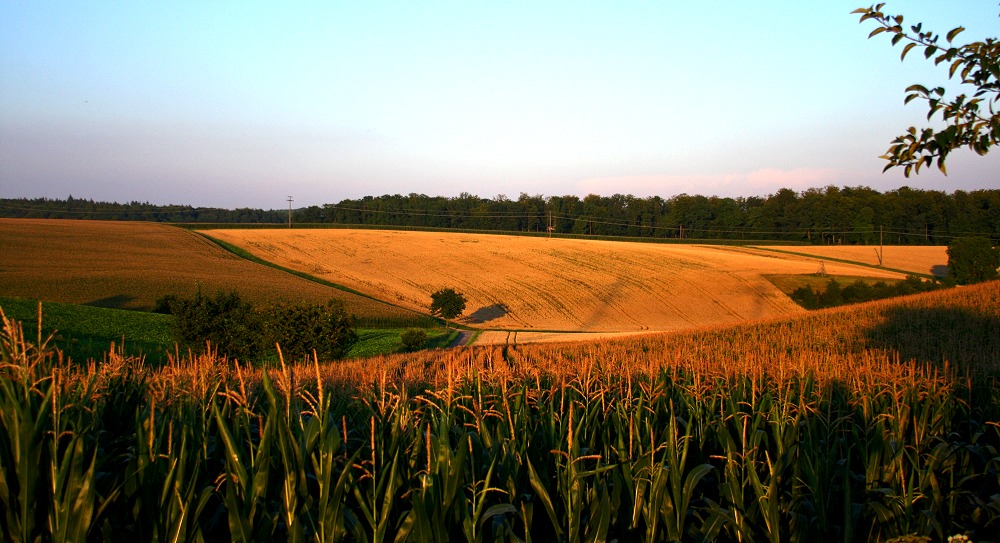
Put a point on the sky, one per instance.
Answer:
(245, 104)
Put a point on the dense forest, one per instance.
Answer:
(831, 215)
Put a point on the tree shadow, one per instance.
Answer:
(962, 337)
(487, 313)
(940, 271)
(113, 302)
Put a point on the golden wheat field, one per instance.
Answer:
(541, 284)
(924, 259)
(865, 346)
(130, 264)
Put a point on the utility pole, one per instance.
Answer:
(881, 249)
(289, 211)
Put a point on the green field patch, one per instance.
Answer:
(85, 332)
(375, 342)
(789, 283)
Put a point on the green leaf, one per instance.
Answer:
(941, 166)
(954, 32)
(543, 494)
(499, 509)
(906, 49)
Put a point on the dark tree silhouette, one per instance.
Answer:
(447, 304)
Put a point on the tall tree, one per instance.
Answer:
(972, 260)
(447, 303)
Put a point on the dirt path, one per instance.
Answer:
(464, 336)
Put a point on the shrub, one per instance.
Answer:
(232, 327)
(165, 304)
(806, 297)
(832, 296)
(226, 322)
(301, 330)
(413, 338)
(859, 291)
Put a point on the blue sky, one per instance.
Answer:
(241, 104)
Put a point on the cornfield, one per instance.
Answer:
(872, 423)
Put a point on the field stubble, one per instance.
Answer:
(128, 265)
(539, 284)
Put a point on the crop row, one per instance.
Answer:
(110, 452)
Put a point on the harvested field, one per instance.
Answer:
(924, 259)
(129, 265)
(539, 284)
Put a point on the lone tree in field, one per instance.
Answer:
(972, 260)
(972, 122)
(447, 304)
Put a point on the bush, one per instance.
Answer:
(832, 296)
(413, 338)
(165, 304)
(227, 323)
(301, 330)
(232, 327)
(859, 291)
(806, 297)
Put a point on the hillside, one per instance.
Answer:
(531, 283)
(128, 265)
(863, 346)
(921, 259)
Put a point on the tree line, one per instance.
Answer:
(830, 215)
(79, 208)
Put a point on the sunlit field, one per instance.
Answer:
(128, 265)
(926, 260)
(861, 423)
(540, 284)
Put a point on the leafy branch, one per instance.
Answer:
(971, 122)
